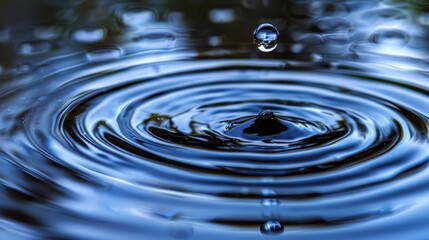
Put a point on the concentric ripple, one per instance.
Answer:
(225, 134)
(162, 120)
(211, 119)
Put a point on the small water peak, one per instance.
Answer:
(267, 115)
(266, 124)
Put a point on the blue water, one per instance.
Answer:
(163, 120)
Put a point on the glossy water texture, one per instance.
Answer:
(162, 120)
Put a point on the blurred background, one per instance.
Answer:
(33, 31)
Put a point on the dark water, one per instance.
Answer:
(163, 120)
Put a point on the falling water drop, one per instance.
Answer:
(272, 228)
(266, 37)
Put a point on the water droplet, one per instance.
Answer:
(34, 47)
(104, 54)
(222, 15)
(266, 37)
(272, 228)
(89, 34)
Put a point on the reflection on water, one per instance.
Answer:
(163, 120)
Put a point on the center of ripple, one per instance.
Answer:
(248, 126)
(270, 127)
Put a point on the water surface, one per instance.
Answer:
(163, 120)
